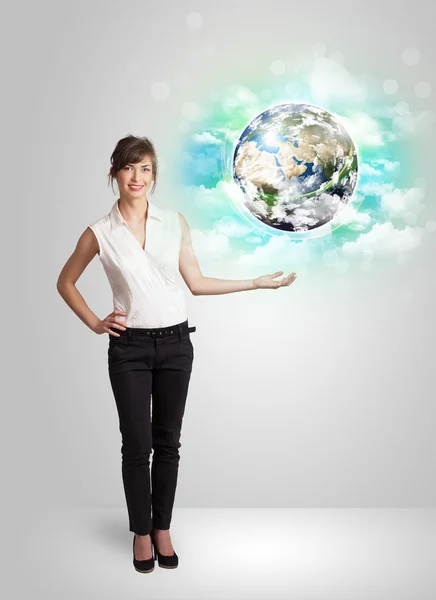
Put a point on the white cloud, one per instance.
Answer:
(363, 129)
(330, 80)
(353, 218)
(366, 169)
(332, 258)
(374, 188)
(403, 204)
(205, 138)
(280, 253)
(408, 124)
(388, 165)
(209, 245)
(254, 239)
(383, 240)
(213, 246)
(217, 198)
(241, 99)
(231, 228)
(371, 170)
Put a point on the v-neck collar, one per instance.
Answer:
(117, 220)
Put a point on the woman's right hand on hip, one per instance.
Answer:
(111, 321)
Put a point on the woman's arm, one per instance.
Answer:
(86, 249)
(201, 285)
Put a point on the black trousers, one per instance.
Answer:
(145, 363)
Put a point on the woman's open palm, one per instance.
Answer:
(268, 281)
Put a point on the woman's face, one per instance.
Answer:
(134, 180)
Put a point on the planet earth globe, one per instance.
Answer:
(296, 166)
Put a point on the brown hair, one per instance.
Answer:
(131, 149)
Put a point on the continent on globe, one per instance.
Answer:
(296, 165)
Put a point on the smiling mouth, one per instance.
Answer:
(138, 187)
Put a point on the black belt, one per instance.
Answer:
(133, 332)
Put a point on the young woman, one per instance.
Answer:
(150, 354)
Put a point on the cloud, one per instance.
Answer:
(209, 245)
(403, 204)
(374, 188)
(280, 253)
(329, 81)
(254, 239)
(352, 218)
(231, 228)
(383, 240)
(406, 125)
(205, 138)
(388, 165)
(203, 199)
(240, 99)
(371, 169)
(366, 169)
(363, 129)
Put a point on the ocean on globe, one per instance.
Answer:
(296, 165)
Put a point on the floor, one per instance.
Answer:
(232, 554)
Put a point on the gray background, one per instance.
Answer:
(316, 395)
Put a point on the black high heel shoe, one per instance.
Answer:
(143, 566)
(167, 562)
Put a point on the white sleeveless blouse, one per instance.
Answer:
(143, 282)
